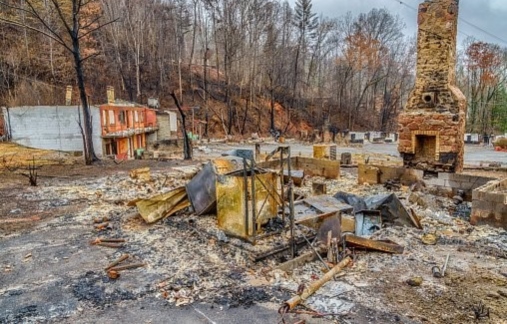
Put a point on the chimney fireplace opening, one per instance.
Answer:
(425, 148)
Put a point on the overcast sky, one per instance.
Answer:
(489, 15)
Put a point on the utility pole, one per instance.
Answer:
(206, 53)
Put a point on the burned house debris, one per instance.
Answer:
(432, 125)
(268, 231)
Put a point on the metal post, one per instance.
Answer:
(254, 212)
(291, 206)
(245, 177)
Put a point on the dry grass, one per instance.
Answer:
(13, 156)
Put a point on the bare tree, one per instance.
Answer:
(74, 24)
(187, 146)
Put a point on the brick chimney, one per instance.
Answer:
(432, 125)
(68, 96)
(110, 95)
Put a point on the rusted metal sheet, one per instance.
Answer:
(348, 224)
(330, 224)
(391, 209)
(313, 211)
(314, 220)
(368, 244)
(328, 204)
(234, 205)
(156, 208)
(201, 189)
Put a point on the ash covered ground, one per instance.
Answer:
(51, 272)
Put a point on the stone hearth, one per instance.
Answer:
(432, 125)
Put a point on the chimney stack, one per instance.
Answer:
(110, 94)
(68, 96)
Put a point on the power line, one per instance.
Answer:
(484, 31)
(461, 19)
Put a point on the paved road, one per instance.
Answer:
(474, 154)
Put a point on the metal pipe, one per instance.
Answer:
(254, 214)
(445, 265)
(291, 205)
(245, 178)
(318, 254)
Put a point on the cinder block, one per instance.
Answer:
(477, 194)
(494, 197)
(443, 175)
(434, 182)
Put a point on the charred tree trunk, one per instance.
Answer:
(89, 151)
(187, 146)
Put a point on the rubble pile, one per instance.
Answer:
(396, 270)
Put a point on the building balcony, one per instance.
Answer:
(114, 132)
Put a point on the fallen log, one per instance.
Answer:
(314, 286)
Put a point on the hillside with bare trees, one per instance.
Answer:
(249, 65)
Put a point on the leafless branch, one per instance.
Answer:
(14, 23)
(89, 56)
(62, 17)
(98, 27)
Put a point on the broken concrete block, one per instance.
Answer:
(489, 204)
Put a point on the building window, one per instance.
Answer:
(104, 117)
(136, 116)
(122, 117)
(111, 117)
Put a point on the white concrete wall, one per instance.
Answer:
(51, 127)
(173, 121)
